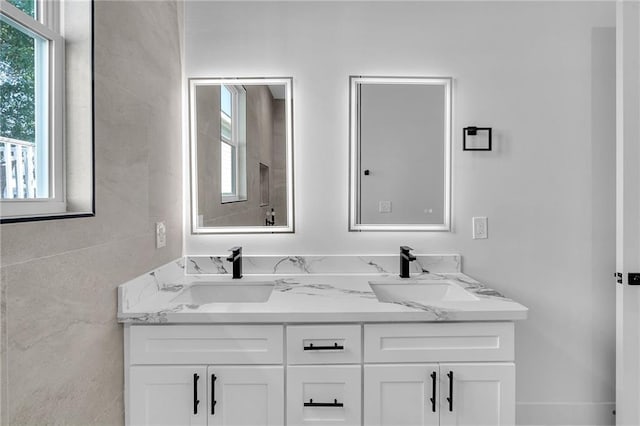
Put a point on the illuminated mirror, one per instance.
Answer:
(400, 154)
(241, 155)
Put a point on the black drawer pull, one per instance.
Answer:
(450, 397)
(213, 394)
(335, 403)
(335, 347)
(196, 401)
(433, 391)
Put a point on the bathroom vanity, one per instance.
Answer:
(324, 348)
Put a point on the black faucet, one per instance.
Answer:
(405, 258)
(236, 259)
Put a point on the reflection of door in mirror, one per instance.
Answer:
(400, 153)
(403, 126)
(241, 130)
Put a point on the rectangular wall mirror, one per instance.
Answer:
(400, 153)
(241, 134)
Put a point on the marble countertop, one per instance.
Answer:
(309, 298)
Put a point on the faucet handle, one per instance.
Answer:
(235, 251)
(405, 251)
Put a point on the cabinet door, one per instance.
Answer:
(401, 395)
(479, 394)
(324, 395)
(167, 396)
(248, 396)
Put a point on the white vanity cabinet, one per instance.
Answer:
(204, 375)
(439, 394)
(324, 375)
(401, 395)
(481, 394)
(167, 395)
(400, 388)
(206, 395)
(393, 374)
(245, 395)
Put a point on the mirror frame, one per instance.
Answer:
(193, 155)
(354, 150)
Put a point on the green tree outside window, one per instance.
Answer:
(17, 78)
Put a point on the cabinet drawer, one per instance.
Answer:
(315, 344)
(435, 342)
(206, 344)
(322, 395)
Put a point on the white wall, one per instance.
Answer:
(539, 73)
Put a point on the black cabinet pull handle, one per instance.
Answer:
(335, 403)
(196, 401)
(213, 394)
(324, 348)
(450, 397)
(433, 391)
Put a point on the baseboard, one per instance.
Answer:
(565, 414)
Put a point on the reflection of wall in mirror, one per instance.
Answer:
(265, 132)
(402, 145)
(278, 196)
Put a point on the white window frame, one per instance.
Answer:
(233, 142)
(47, 26)
(237, 143)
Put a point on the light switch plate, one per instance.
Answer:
(480, 230)
(161, 234)
(384, 207)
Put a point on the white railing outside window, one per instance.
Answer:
(17, 169)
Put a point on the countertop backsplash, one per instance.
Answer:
(331, 264)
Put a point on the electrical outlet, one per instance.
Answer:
(480, 230)
(384, 207)
(161, 235)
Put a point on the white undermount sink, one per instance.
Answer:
(226, 292)
(424, 291)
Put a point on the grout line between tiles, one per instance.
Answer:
(62, 253)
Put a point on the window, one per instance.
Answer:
(31, 106)
(264, 185)
(232, 144)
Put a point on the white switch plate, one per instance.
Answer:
(384, 207)
(161, 234)
(480, 230)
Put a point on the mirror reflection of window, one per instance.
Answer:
(241, 155)
(227, 143)
(232, 144)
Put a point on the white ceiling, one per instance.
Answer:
(277, 91)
